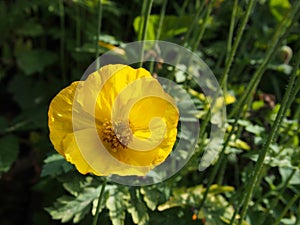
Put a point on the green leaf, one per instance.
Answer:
(9, 149)
(151, 197)
(67, 208)
(172, 26)
(31, 28)
(35, 60)
(285, 172)
(138, 210)
(116, 204)
(55, 165)
(279, 8)
(34, 89)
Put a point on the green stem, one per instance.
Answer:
(286, 208)
(78, 25)
(62, 40)
(142, 20)
(98, 33)
(298, 216)
(240, 32)
(281, 32)
(203, 25)
(263, 152)
(195, 21)
(277, 197)
(144, 31)
(231, 56)
(95, 220)
(231, 29)
(161, 19)
(160, 23)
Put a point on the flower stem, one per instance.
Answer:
(145, 26)
(263, 152)
(98, 33)
(62, 40)
(240, 32)
(284, 211)
(95, 220)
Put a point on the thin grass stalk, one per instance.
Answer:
(278, 196)
(238, 37)
(296, 89)
(286, 208)
(298, 216)
(78, 26)
(62, 40)
(231, 29)
(161, 19)
(160, 24)
(232, 53)
(263, 152)
(95, 219)
(195, 21)
(280, 33)
(141, 24)
(145, 26)
(99, 12)
(203, 25)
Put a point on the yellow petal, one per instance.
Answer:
(60, 116)
(83, 148)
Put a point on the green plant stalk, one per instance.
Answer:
(295, 90)
(144, 31)
(263, 152)
(239, 35)
(99, 11)
(274, 203)
(286, 208)
(195, 21)
(203, 26)
(281, 31)
(217, 166)
(62, 40)
(298, 216)
(231, 29)
(232, 52)
(161, 19)
(160, 23)
(95, 220)
(78, 25)
(142, 20)
(278, 188)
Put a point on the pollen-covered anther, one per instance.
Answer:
(117, 134)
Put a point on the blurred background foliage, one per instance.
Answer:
(45, 45)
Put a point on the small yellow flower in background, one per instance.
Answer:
(118, 121)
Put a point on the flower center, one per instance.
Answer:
(117, 134)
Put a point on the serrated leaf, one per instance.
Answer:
(55, 165)
(9, 149)
(67, 208)
(74, 185)
(138, 210)
(151, 197)
(116, 204)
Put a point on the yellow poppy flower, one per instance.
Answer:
(118, 121)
